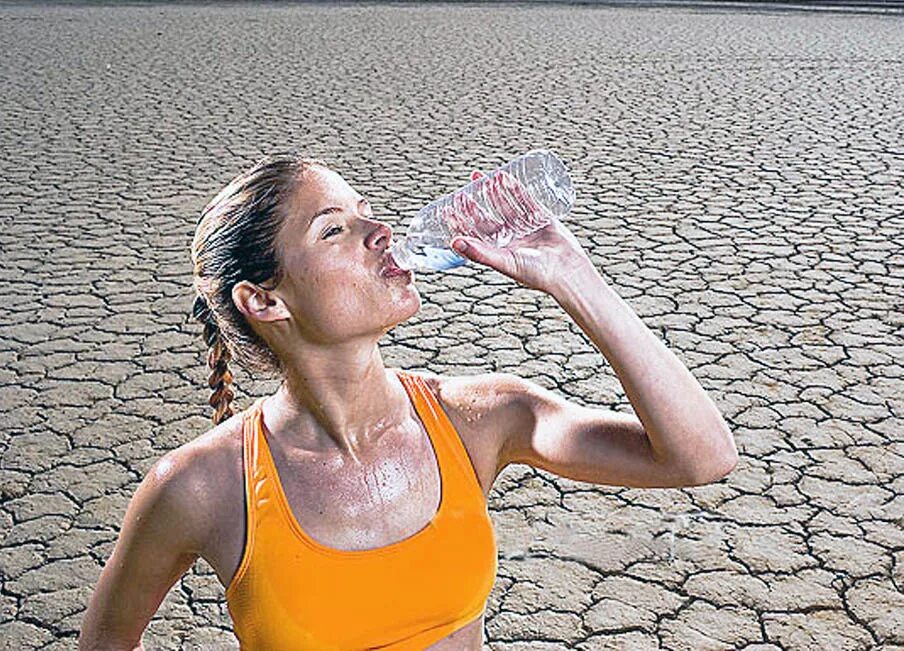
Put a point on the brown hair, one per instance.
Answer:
(236, 240)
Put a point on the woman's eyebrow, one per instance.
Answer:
(325, 211)
(331, 209)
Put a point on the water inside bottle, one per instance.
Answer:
(439, 259)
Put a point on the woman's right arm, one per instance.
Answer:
(161, 536)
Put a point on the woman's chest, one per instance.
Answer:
(364, 504)
(346, 506)
(386, 497)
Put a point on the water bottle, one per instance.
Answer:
(515, 200)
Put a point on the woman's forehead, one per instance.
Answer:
(319, 189)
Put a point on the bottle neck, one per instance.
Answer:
(402, 255)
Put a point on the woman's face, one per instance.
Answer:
(334, 252)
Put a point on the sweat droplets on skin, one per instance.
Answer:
(469, 408)
(382, 482)
(389, 481)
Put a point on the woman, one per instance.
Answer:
(348, 509)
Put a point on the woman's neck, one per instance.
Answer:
(338, 407)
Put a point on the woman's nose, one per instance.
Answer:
(379, 237)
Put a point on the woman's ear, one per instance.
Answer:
(258, 303)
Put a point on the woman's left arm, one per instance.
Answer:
(685, 429)
(684, 439)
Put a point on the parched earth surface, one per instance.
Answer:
(739, 179)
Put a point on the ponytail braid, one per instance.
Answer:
(235, 241)
(218, 357)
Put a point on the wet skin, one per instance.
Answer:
(340, 416)
(331, 500)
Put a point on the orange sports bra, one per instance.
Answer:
(291, 592)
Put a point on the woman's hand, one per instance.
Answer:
(541, 260)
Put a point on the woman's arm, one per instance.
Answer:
(680, 439)
(161, 536)
(687, 434)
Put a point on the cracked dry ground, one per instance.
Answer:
(739, 182)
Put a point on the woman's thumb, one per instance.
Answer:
(463, 245)
(478, 251)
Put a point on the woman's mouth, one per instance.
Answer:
(391, 270)
(392, 273)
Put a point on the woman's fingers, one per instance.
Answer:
(533, 212)
(452, 220)
(514, 200)
(511, 206)
(519, 193)
(468, 215)
(482, 220)
(504, 204)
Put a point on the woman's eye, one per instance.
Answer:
(332, 230)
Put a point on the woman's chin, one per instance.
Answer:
(404, 306)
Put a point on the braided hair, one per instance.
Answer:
(235, 240)
(218, 360)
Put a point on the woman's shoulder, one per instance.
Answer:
(485, 409)
(488, 390)
(198, 479)
(207, 455)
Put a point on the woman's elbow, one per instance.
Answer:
(725, 467)
(717, 466)
(98, 643)
(715, 471)
(95, 636)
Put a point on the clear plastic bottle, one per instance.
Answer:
(514, 200)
